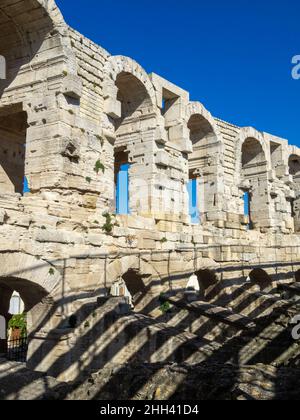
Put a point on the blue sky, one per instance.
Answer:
(234, 56)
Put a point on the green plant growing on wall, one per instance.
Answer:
(99, 167)
(163, 240)
(165, 306)
(110, 223)
(51, 271)
(88, 179)
(19, 322)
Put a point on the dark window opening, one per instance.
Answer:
(13, 127)
(260, 278)
(208, 284)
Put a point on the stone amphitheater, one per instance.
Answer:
(148, 239)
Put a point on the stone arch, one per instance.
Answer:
(252, 166)
(197, 109)
(136, 275)
(132, 286)
(260, 277)
(205, 161)
(121, 65)
(38, 52)
(118, 267)
(252, 152)
(25, 266)
(24, 28)
(247, 133)
(37, 283)
(208, 284)
(34, 280)
(294, 165)
(131, 117)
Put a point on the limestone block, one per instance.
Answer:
(179, 135)
(72, 86)
(113, 108)
(63, 237)
(162, 158)
(95, 239)
(146, 243)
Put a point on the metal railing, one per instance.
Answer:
(17, 349)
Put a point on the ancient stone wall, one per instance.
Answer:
(70, 116)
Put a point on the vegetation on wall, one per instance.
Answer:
(19, 322)
(99, 167)
(165, 306)
(110, 223)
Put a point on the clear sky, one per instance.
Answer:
(234, 56)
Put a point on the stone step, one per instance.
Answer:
(217, 313)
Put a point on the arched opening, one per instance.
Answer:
(13, 128)
(131, 286)
(260, 278)
(22, 33)
(17, 298)
(130, 159)
(24, 27)
(193, 284)
(254, 182)
(294, 166)
(252, 154)
(294, 171)
(16, 304)
(208, 284)
(201, 186)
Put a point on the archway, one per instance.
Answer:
(254, 183)
(260, 278)
(24, 33)
(294, 171)
(15, 314)
(36, 282)
(204, 163)
(33, 36)
(208, 284)
(131, 286)
(130, 105)
(16, 305)
(135, 105)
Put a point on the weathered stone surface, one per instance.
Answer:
(157, 382)
(70, 116)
